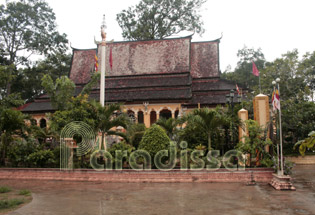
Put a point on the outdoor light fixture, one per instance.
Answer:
(230, 98)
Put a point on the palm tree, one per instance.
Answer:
(109, 117)
(169, 125)
(135, 132)
(208, 120)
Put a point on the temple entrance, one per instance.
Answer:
(166, 114)
(152, 117)
(42, 123)
(140, 117)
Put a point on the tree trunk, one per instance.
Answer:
(102, 142)
(209, 141)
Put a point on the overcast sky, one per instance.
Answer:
(276, 26)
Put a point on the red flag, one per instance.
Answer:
(111, 58)
(255, 70)
(238, 90)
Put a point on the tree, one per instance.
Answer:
(135, 132)
(255, 142)
(108, 118)
(157, 19)
(243, 71)
(11, 122)
(79, 109)
(27, 80)
(208, 120)
(30, 26)
(60, 92)
(169, 125)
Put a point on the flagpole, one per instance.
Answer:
(103, 65)
(273, 110)
(281, 147)
(259, 84)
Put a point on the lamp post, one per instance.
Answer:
(230, 101)
(281, 148)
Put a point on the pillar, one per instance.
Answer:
(261, 112)
(173, 114)
(146, 119)
(242, 130)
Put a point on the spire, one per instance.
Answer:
(103, 27)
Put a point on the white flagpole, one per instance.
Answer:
(281, 147)
(103, 59)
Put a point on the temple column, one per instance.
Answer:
(146, 119)
(242, 130)
(173, 114)
(261, 112)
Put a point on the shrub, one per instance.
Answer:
(4, 204)
(41, 158)
(154, 140)
(123, 146)
(193, 136)
(5, 189)
(19, 150)
(25, 192)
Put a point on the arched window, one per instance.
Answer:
(33, 122)
(42, 123)
(165, 113)
(152, 117)
(176, 113)
(131, 115)
(140, 117)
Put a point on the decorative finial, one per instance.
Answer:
(103, 26)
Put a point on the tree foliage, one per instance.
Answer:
(243, 71)
(157, 19)
(307, 143)
(154, 140)
(296, 88)
(30, 26)
(110, 117)
(255, 142)
(60, 92)
(207, 120)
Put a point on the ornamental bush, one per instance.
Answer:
(42, 158)
(154, 140)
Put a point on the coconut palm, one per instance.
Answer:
(208, 120)
(169, 125)
(110, 117)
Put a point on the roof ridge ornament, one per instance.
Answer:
(103, 34)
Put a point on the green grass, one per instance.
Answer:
(25, 192)
(5, 189)
(11, 203)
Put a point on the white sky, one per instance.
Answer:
(276, 26)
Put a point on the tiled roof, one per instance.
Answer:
(38, 106)
(145, 94)
(205, 59)
(169, 70)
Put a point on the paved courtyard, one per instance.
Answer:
(67, 198)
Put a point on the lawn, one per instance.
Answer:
(11, 199)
